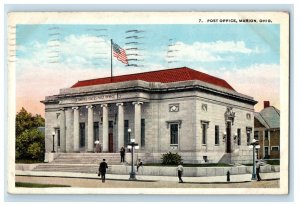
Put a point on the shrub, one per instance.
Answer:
(30, 145)
(35, 150)
(171, 159)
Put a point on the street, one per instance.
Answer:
(117, 183)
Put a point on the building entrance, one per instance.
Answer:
(228, 137)
(111, 137)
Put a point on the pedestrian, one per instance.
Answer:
(102, 169)
(180, 172)
(98, 146)
(258, 170)
(122, 153)
(139, 164)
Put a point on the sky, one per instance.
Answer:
(51, 57)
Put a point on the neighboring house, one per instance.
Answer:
(267, 131)
(180, 110)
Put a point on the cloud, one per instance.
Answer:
(261, 81)
(73, 50)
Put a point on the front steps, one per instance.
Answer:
(79, 162)
(87, 158)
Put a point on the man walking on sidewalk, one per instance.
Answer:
(180, 172)
(102, 170)
(258, 163)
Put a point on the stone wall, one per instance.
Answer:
(191, 171)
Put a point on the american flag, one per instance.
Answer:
(119, 53)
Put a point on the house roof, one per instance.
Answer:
(163, 76)
(269, 117)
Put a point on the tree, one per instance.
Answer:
(30, 142)
(25, 120)
(30, 145)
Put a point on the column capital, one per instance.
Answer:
(89, 106)
(103, 105)
(75, 108)
(138, 103)
(120, 104)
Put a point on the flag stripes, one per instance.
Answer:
(119, 53)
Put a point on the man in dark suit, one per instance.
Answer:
(102, 169)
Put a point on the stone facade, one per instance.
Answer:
(192, 109)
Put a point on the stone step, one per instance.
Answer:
(86, 158)
(70, 168)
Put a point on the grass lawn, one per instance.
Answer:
(273, 162)
(35, 185)
(270, 162)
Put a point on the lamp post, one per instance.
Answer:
(53, 135)
(132, 145)
(253, 145)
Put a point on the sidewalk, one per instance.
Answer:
(211, 179)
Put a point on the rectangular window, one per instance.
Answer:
(126, 136)
(256, 135)
(266, 152)
(238, 136)
(204, 130)
(275, 149)
(142, 132)
(58, 137)
(266, 135)
(217, 135)
(174, 133)
(82, 134)
(96, 131)
(248, 132)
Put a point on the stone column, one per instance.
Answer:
(76, 129)
(90, 128)
(104, 128)
(120, 125)
(69, 130)
(62, 127)
(137, 122)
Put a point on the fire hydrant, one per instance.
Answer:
(228, 176)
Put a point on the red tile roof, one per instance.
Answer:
(163, 76)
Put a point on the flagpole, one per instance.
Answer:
(111, 72)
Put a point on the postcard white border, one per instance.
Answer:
(281, 18)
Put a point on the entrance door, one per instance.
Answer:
(111, 137)
(82, 135)
(110, 143)
(228, 138)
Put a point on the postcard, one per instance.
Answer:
(148, 102)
